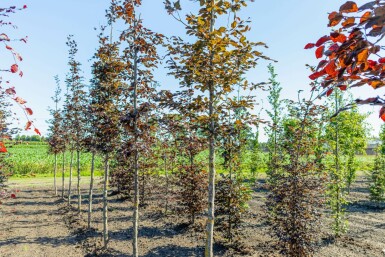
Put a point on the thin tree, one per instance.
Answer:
(214, 63)
(75, 112)
(140, 56)
(105, 94)
(55, 139)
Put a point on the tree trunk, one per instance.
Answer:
(105, 203)
(70, 181)
(63, 171)
(136, 155)
(91, 190)
(54, 174)
(211, 195)
(167, 184)
(79, 178)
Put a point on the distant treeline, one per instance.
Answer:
(33, 138)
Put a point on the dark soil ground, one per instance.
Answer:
(38, 224)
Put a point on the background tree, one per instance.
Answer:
(75, 111)
(55, 139)
(377, 177)
(105, 93)
(297, 184)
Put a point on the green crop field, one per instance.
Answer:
(33, 160)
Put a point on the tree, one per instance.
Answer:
(273, 131)
(140, 57)
(297, 183)
(377, 186)
(349, 50)
(105, 98)
(346, 135)
(55, 139)
(214, 64)
(75, 111)
(10, 92)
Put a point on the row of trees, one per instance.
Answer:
(144, 132)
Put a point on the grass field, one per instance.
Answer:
(33, 160)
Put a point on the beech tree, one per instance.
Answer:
(8, 92)
(105, 93)
(55, 139)
(214, 63)
(297, 183)
(75, 111)
(140, 57)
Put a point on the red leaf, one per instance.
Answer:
(331, 68)
(8, 47)
(10, 91)
(37, 131)
(381, 60)
(365, 16)
(317, 74)
(322, 40)
(334, 19)
(349, 7)
(337, 37)
(382, 113)
(309, 45)
(329, 92)
(319, 52)
(13, 196)
(28, 111)
(20, 100)
(25, 6)
(321, 64)
(343, 87)
(14, 68)
(28, 125)
(3, 149)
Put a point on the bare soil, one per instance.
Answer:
(37, 223)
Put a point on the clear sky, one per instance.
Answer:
(284, 25)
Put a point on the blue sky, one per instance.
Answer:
(284, 25)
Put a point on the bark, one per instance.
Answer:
(90, 196)
(105, 202)
(70, 181)
(54, 174)
(136, 155)
(79, 178)
(63, 171)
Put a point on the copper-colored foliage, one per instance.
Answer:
(356, 50)
(349, 7)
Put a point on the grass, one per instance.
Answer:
(33, 160)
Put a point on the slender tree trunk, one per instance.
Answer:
(70, 181)
(79, 178)
(54, 174)
(211, 196)
(105, 202)
(63, 171)
(136, 155)
(167, 184)
(90, 195)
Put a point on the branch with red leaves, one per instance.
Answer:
(351, 53)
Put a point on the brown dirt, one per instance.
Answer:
(37, 224)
